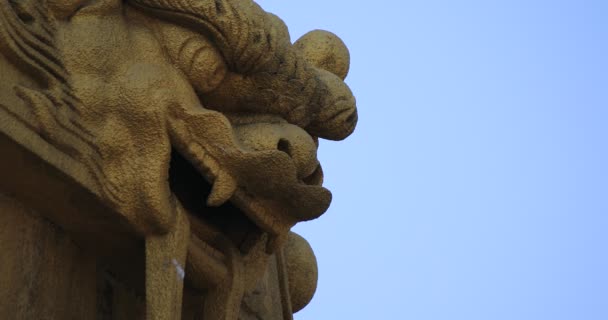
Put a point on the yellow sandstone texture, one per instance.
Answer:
(154, 155)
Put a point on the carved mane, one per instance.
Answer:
(27, 33)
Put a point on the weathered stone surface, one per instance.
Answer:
(43, 273)
(162, 150)
(326, 51)
(302, 271)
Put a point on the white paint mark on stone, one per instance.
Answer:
(178, 268)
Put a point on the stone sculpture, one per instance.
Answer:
(175, 142)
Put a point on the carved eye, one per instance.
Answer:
(202, 63)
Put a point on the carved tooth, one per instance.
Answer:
(224, 187)
(208, 162)
(191, 149)
(198, 150)
(202, 166)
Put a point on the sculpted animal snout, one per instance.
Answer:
(338, 117)
(284, 137)
(325, 51)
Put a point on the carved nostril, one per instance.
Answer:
(285, 146)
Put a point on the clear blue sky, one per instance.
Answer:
(476, 184)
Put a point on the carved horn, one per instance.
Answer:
(249, 38)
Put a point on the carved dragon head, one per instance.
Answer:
(278, 99)
(185, 105)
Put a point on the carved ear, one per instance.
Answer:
(326, 51)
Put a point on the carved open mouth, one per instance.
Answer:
(192, 190)
(239, 193)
